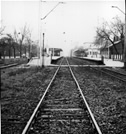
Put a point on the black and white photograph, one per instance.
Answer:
(63, 66)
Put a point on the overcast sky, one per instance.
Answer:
(70, 24)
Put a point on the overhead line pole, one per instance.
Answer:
(42, 49)
(43, 52)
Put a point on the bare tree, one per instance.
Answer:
(118, 27)
(3, 45)
(15, 34)
(16, 40)
(12, 44)
(1, 30)
(24, 33)
(1, 40)
(104, 36)
(29, 41)
(110, 33)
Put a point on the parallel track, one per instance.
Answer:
(113, 74)
(62, 108)
(10, 65)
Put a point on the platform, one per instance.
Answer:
(38, 62)
(107, 62)
(56, 57)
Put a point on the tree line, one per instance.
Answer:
(17, 44)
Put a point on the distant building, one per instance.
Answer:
(93, 52)
(90, 50)
(80, 53)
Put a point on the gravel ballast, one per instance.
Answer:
(106, 97)
(22, 88)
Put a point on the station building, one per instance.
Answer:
(108, 50)
(93, 52)
(115, 51)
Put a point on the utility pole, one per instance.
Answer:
(43, 51)
(125, 46)
(40, 25)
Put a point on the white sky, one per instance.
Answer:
(78, 19)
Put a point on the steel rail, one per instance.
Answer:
(111, 75)
(90, 112)
(25, 130)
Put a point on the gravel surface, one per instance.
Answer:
(119, 74)
(63, 110)
(107, 99)
(77, 61)
(22, 88)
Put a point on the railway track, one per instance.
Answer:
(78, 62)
(62, 108)
(110, 72)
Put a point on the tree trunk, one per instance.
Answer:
(29, 51)
(0, 56)
(14, 52)
(3, 53)
(25, 51)
(9, 52)
(122, 42)
(20, 50)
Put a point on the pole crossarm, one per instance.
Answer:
(52, 10)
(42, 49)
(119, 9)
